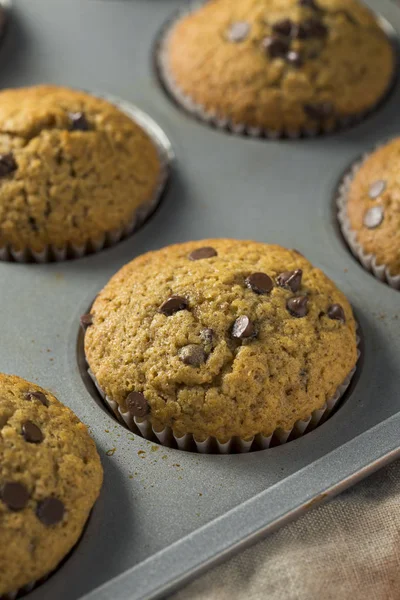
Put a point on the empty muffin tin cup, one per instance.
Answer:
(369, 261)
(210, 445)
(52, 253)
(215, 120)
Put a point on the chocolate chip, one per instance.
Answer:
(309, 4)
(377, 188)
(315, 28)
(335, 311)
(276, 47)
(36, 396)
(290, 280)
(15, 495)
(283, 27)
(243, 328)
(86, 321)
(299, 32)
(193, 355)
(238, 31)
(200, 253)
(137, 404)
(298, 306)
(294, 58)
(260, 283)
(173, 305)
(319, 110)
(7, 164)
(373, 217)
(32, 433)
(78, 121)
(50, 511)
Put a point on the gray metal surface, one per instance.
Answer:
(165, 514)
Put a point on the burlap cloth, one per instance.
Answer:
(346, 549)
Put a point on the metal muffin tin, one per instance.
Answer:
(164, 515)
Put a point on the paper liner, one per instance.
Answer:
(209, 116)
(369, 261)
(165, 153)
(212, 445)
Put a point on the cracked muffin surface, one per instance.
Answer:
(280, 65)
(72, 168)
(220, 338)
(50, 477)
(373, 206)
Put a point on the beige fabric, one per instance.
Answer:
(347, 549)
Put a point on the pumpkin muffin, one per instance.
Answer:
(50, 477)
(370, 212)
(278, 67)
(74, 169)
(220, 338)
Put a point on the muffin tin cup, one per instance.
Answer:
(369, 261)
(212, 445)
(225, 124)
(53, 253)
(5, 5)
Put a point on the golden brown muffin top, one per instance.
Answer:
(373, 206)
(281, 65)
(72, 167)
(221, 338)
(50, 477)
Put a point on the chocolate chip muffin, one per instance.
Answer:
(370, 211)
(74, 170)
(278, 66)
(220, 338)
(50, 477)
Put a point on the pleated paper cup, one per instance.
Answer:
(242, 129)
(53, 253)
(369, 261)
(211, 445)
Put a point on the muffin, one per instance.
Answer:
(50, 477)
(369, 212)
(220, 339)
(278, 67)
(75, 171)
